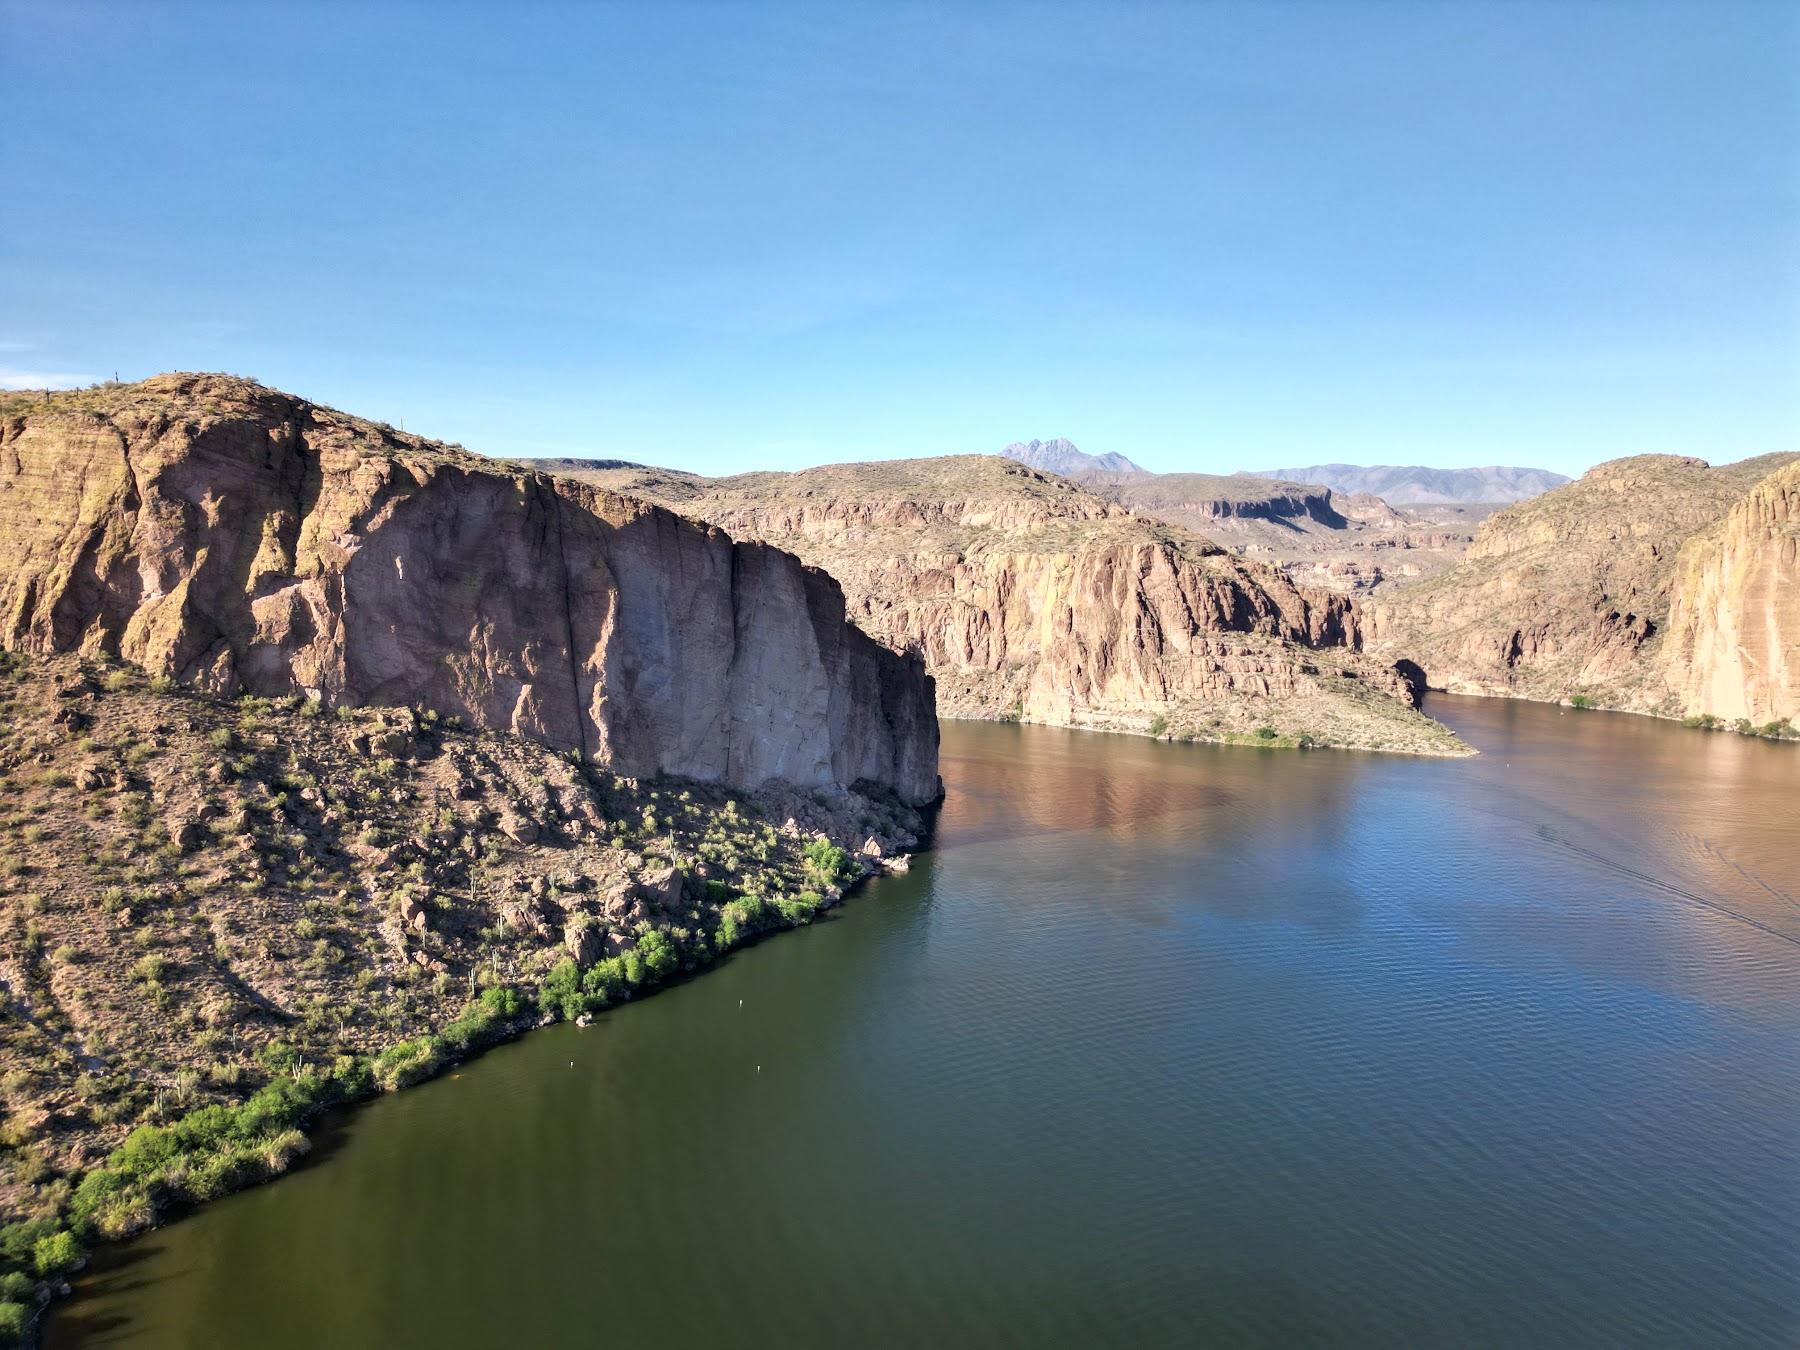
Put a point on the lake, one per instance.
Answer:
(1161, 1045)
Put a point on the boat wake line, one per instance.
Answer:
(1550, 836)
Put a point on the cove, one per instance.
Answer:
(1159, 1045)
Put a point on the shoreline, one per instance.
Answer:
(360, 1088)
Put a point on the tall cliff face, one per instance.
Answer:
(239, 539)
(1733, 646)
(1571, 593)
(1030, 596)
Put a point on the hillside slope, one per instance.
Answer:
(1570, 594)
(1031, 597)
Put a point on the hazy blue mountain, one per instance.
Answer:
(1414, 484)
(1061, 456)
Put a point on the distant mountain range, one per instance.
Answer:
(1061, 456)
(1414, 484)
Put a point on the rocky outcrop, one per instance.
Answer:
(238, 539)
(1570, 594)
(1031, 597)
(1733, 645)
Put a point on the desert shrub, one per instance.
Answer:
(404, 1064)
(825, 861)
(14, 1318)
(560, 994)
(1580, 701)
(56, 1253)
(658, 954)
(605, 981)
(797, 909)
(1266, 733)
(1158, 725)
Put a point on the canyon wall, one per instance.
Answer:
(241, 540)
(1653, 583)
(1029, 596)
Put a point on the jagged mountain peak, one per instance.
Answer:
(1060, 455)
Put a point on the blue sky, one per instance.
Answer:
(733, 236)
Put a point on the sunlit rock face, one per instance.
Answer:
(239, 539)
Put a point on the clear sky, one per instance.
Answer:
(762, 235)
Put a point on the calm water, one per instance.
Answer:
(1164, 1045)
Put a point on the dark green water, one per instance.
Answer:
(1163, 1045)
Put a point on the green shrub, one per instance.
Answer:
(825, 861)
(605, 981)
(56, 1254)
(1158, 725)
(14, 1317)
(659, 955)
(404, 1064)
(561, 994)
(1266, 733)
(1580, 701)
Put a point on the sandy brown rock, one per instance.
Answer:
(238, 539)
(1029, 596)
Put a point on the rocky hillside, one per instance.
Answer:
(1417, 485)
(1031, 597)
(1574, 594)
(240, 540)
(218, 915)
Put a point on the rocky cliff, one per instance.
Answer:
(1733, 645)
(241, 540)
(1573, 593)
(1029, 596)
